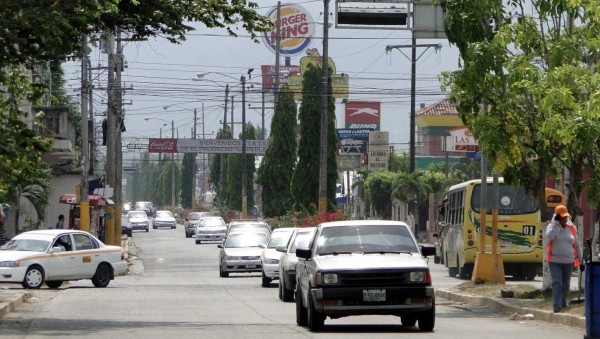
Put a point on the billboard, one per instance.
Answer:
(340, 83)
(218, 146)
(296, 30)
(461, 140)
(268, 76)
(378, 151)
(363, 114)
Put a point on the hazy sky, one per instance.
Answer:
(160, 74)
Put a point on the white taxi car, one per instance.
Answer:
(56, 255)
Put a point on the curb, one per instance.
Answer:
(501, 306)
(11, 301)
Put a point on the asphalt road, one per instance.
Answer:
(178, 293)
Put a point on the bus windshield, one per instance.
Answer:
(511, 200)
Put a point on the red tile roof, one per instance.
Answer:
(443, 107)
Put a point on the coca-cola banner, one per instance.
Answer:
(162, 145)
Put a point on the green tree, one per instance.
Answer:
(527, 87)
(400, 163)
(279, 162)
(234, 176)
(379, 187)
(305, 181)
(410, 187)
(218, 169)
(35, 31)
(188, 171)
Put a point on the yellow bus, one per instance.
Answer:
(519, 231)
(553, 199)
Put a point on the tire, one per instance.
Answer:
(408, 321)
(301, 317)
(315, 319)
(187, 235)
(54, 284)
(153, 227)
(147, 229)
(287, 294)
(102, 276)
(198, 242)
(465, 272)
(427, 319)
(129, 233)
(280, 290)
(436, 259)
(34, 277)
(452, 271)
(174, 227)
(222, 273)
(266, 281)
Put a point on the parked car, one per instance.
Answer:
(126, 226)
(53, 256)
(191, 222)
(288, 260)
(210, 229)
(249, 226)
(138, 220)
(269, 257)
(240, 252)
(164, 219)
(363, 267)
(145, 206)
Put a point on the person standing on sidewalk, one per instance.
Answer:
(61, 222)
(563, 253)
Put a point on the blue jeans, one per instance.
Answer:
(561, 283)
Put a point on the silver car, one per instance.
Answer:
(210, 229)
(138, 220)
(288, 260)
(270, 257)
(240, 252)
(164, 219)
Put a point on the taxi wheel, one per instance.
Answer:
(222, 273)
(102, 276)
(34, 278)
(54, 284)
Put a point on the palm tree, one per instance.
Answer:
(410, 188)
(36, 193)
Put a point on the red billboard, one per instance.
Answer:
(268, 76)
(363, 114)
(162, 145)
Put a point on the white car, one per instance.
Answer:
(288, 260)
(164, 219)
(210, 229)
(270, 257)
(53, 256)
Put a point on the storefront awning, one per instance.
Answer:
(95, 200)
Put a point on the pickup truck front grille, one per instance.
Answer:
(390, 278)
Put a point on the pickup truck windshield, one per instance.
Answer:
(365, 239)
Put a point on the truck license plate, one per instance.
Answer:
(374, 295)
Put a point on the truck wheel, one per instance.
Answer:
(301, 317)
(315, 319)
(427, 319)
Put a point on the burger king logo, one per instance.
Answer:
(297, 28)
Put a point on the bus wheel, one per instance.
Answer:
(466, 271)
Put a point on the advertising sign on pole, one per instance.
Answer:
(378, 151)
(340, 83)
(461, 140)
(297, 29)
(363, 114)
(268, 76)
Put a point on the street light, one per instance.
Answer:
(172, 160)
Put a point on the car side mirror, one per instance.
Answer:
(427, 251)
(281, 248)
(220, 245)
(304, 253)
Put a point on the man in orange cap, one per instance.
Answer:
(563, 252)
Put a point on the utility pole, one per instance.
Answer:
(118, 149)
(324, 113)
(277, 47)
(111, 123)
(244, 171)
(225, 110)
(84, 205)
(173, 170)
(263, 115)
(232, 134)
(194, 164)
(203, 157)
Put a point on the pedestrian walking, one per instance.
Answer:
(61, 222)
(563, 253)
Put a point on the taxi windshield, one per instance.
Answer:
(27, 245)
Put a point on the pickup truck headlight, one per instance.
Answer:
(417, 276)
(10, 264)
(325, 279)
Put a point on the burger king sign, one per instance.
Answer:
(296, 29)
